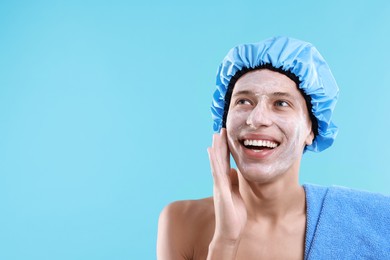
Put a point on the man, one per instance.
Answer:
(274, 100)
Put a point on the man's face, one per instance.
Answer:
(267, 125)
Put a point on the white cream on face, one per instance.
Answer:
(268, 104)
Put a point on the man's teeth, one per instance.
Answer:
(260, 143)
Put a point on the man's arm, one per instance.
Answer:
(179, 222)
(230, 211)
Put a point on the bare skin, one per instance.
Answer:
(259, 210)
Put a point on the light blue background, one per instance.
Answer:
(104, 112)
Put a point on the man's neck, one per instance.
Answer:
(273, 200)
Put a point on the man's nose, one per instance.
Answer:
(259, 116)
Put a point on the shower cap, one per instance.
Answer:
(291, 56)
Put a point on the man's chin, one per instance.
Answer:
(259, 174)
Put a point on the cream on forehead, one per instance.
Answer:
(265, 82)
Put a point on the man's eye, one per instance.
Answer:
(243, 102)
(281, 103)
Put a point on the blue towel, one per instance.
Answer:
(346, 224)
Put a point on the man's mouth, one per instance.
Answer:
(258, 145)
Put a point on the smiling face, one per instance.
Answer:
(267, 125)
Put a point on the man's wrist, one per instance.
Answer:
(223, 249)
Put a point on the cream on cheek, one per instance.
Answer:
(235, 123)
(295, 130)
(290, 130)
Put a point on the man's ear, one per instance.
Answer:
(310, 138)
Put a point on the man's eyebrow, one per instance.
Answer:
(282, 94)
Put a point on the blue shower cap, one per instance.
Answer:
(291, 56)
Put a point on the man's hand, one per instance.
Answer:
(230, 211)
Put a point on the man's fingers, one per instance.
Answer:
(220, 152)
(220, 143)
(220, 160)
(218, 170)
(210, 151)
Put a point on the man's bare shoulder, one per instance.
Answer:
(189, 211)
(183, 206)
(186, 228)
